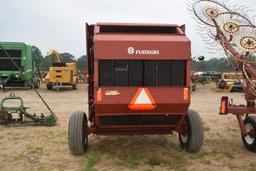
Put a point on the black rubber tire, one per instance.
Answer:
(49, 87)
(77, 134)
(195, 132)
(193, 87)
(222, 84)
(36, 83)
(74, 86)
(251, 120)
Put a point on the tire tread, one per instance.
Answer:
(252, 120)
(197, 133)
(77, 145)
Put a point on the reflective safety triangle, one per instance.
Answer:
(142, 100)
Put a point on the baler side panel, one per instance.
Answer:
(24, 62)
(90, 67)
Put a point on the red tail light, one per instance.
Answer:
(186, 93)
(224, 106)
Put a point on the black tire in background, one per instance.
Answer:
(77, 134)
(74, 86)
(222, 84)
(193, 141)
(249, 140)
(36, 83)
(193, 87)
(49, 86)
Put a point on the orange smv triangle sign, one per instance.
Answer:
(142, 100)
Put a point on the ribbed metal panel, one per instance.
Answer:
(152, 73)
(138, 29)
(12, 53)
(139, 120)
(7, 65)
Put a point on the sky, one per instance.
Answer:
(60, 24)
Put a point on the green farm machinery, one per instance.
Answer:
(13, 111)
(17, 66)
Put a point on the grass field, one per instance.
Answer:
(45, 148)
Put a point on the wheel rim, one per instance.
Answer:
(250, 137)
(85, 133)
(184, 138)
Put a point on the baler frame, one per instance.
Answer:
(109, 103)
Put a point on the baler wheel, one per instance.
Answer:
(249, 140)
(77, 133)
(193, 140)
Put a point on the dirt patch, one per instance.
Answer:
(45, 148)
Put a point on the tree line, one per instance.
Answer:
(213, 64)
(44, 62)
(217, 64)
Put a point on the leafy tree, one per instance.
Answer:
(82, 62)
(214, 64)
(47, 62)
(37, 56)
(67, 57)
(43, 63)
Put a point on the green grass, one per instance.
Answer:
(34, 150)
(206, 128)
(41, 168)
(228, 153)
(176, 158)
(19, 156)
(154, 160)
(130, 160)
(207, 162)
(101, 147)
(148, 169)
(252, 166)
(201, 154)
(232, 129)
(162, 141)
(90, 161)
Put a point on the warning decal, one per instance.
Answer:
(142, 100)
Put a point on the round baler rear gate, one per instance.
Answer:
(139, 83)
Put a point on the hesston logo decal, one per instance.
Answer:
(133, 51)
(142, 100)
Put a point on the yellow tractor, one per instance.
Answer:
(61, 73)
(230, 82)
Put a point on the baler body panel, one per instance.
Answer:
(113, 52)
(22, 56)
(168, 101)
(115, 46)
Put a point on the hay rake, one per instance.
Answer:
(231, 28)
